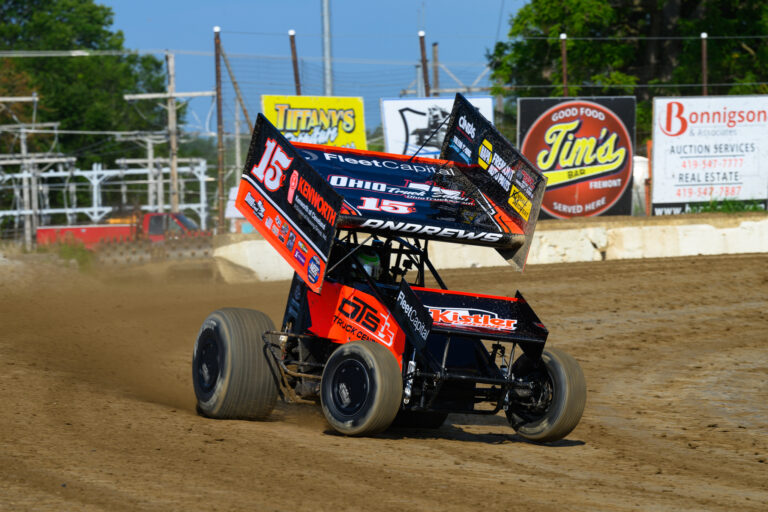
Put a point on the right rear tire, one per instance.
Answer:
(560, 393)
(231, 371)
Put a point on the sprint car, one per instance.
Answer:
(370, 330)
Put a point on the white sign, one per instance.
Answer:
(409, 123)
(709, 148)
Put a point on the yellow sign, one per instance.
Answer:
(329, 120)
(520, 203)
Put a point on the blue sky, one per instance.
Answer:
(379, 31)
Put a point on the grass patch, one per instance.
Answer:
(73, 252)
(727, 206)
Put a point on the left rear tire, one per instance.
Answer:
(231, 372)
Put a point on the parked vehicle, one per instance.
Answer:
(150, 236)
(370, 330)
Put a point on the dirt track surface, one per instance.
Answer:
(98, 408)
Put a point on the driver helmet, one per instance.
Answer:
(371, 263)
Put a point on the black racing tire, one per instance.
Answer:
(361, 388)
(420, 419)
(561, 382)
(231, 371)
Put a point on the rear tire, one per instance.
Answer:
(361, 388)
(231, 372)
(562, 390)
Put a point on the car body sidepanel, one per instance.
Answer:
(343, 314)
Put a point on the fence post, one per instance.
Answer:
(564, 55)
(424, 69)
(704, 63)
(295, 59)
(220, 224)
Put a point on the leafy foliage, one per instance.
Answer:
(638, 50)
(83, 93)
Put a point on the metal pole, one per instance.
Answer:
(219, 131)
(25, 191)
(238, 158)
(327, 69)
(295, 59)
(152, 187)
(424, 68)
(35, 196)
(564, 55)
(419, 81)
(704, 63)
(435, 70)
(170, 58)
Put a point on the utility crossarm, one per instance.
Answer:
(166, 95)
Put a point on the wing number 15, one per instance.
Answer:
(386, 205)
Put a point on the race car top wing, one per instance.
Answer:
(510, 182)
(405, 196)
(289, 203)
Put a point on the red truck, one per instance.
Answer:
(154, 227)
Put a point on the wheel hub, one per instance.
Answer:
(350, 386)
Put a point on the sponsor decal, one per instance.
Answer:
(377, 162)
(458, 145)
(270, 170)
(313, 271)
(300, 257)
(361, 314)
(520, 203)
(463, 317)
(256, 206)
(435, 231)
(268, 222)
(291, 240)
(467, 127)
(413, 311)
(292, 186)
(585, 151)
(424, 191)
(317, 201)
(498, 168)
(302, 247)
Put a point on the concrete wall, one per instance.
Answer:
(243, 258)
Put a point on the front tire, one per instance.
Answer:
(231, 372)
(558, 398)
(361, 388)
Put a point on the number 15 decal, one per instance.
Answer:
(272, 166)
(386, 205)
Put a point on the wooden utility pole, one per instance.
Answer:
(170, 96)
(435, 70)
(424, 68)
(295, 60)
(704, 63)
(171, 61)
(564, 56)
(220, 224)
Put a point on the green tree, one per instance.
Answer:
(83, 93)
(614, 46)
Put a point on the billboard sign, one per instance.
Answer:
(584, 146)
(709, 148)
(409, 123)
(328, 120)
